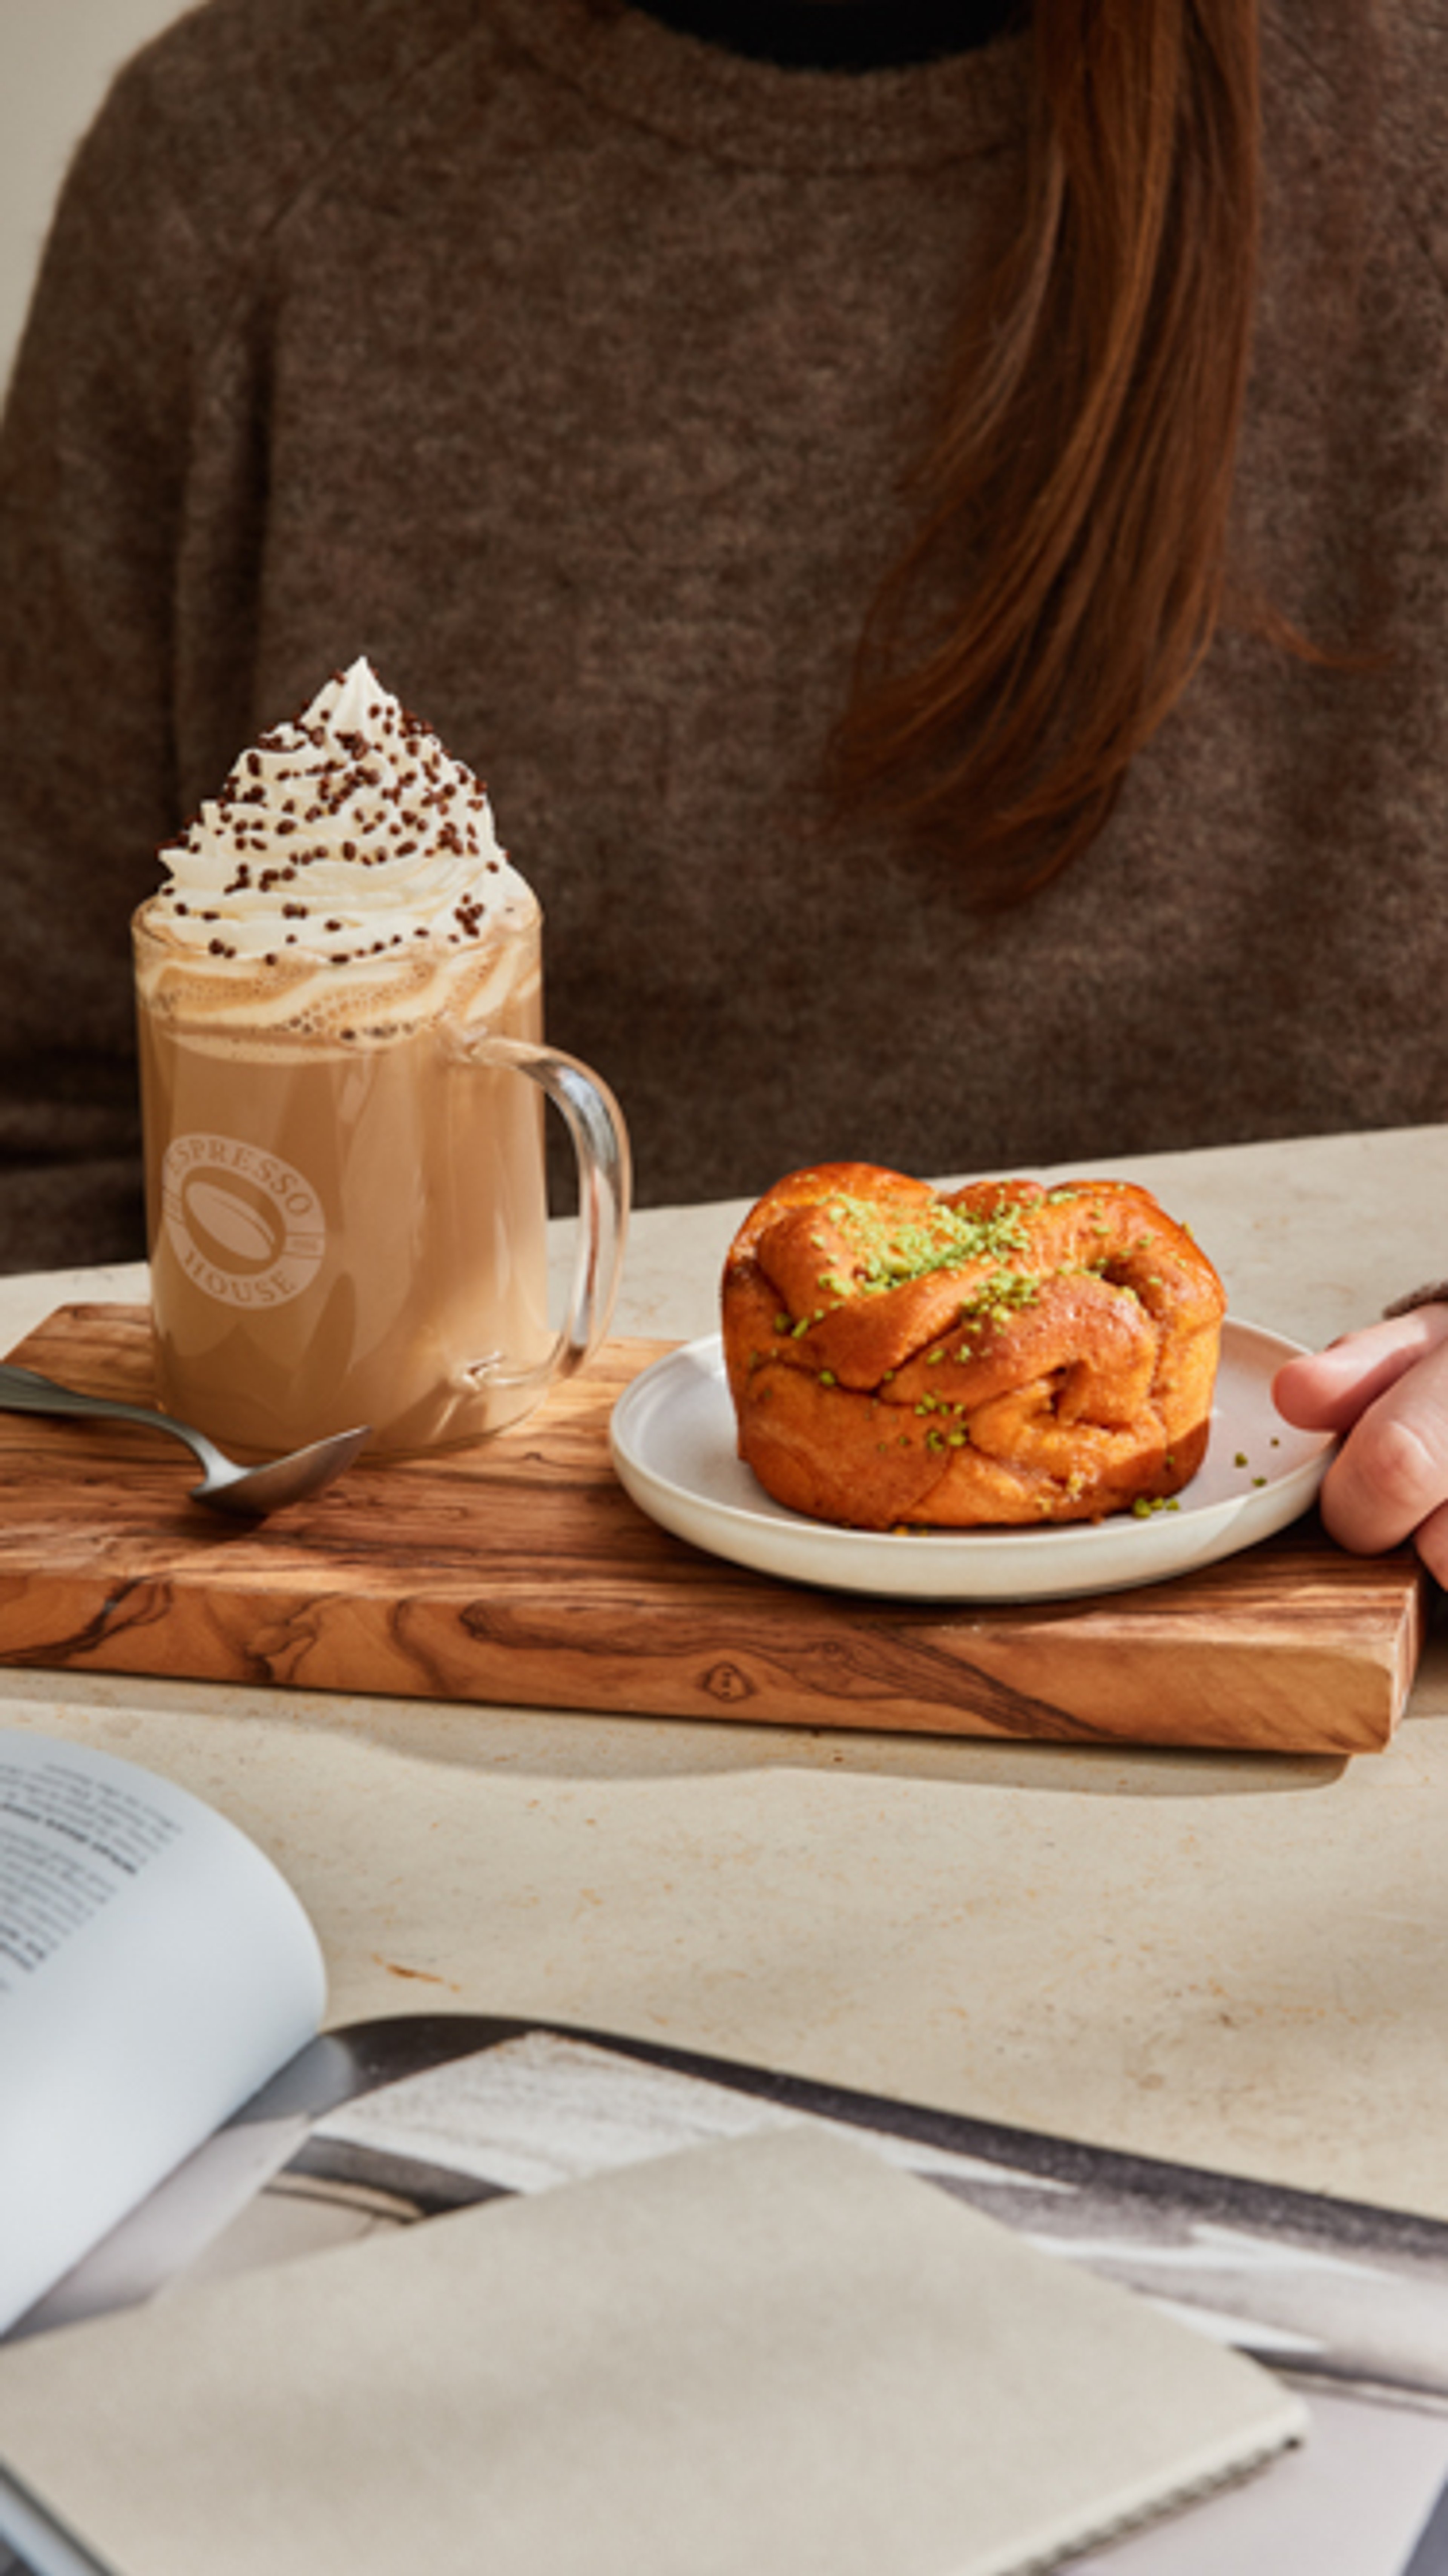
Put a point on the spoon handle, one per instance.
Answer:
(24, 1390)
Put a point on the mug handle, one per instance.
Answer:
(600, 1142)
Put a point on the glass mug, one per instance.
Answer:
(349, 1224)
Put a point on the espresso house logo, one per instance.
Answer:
(245, 1227)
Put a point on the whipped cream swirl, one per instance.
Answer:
(341, 838)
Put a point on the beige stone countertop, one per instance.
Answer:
(1232, 1961)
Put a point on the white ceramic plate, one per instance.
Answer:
(673, 1448)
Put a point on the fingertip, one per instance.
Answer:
(1302, 1393)
(1328, 1389)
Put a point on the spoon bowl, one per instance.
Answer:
(248, 1493)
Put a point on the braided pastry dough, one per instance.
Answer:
(1004, 1353)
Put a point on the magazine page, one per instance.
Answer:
(155, 1970)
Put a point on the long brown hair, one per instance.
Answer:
(1075, 502)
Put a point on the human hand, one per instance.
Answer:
(1385, 1389)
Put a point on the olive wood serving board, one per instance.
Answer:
(520, 1573)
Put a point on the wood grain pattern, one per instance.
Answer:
(520, 1573)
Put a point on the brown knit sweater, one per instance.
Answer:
(565, 365)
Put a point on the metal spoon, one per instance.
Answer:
(250, 1492)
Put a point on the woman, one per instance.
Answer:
(932, 525)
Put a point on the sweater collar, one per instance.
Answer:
(729, 107)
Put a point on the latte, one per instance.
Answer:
(342, 1077)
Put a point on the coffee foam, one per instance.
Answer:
(348, 838)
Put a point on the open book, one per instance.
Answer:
(155, 1969)
(716, 2288)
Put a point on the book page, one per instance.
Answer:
(775, 2353)
(155, 1969)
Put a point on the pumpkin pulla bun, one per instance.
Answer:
(999, 1354)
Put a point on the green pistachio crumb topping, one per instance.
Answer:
(888, 1249)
